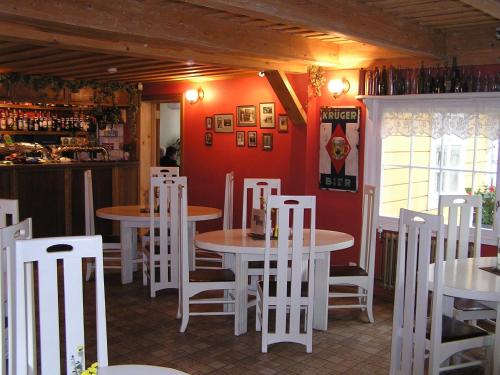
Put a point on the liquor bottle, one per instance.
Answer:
(447, 78)
(455, 76)
(429, 82)
(376, 80)
(369, 83)
(383, 83)
(14, 120)
(361, 85)
(37, 124)
(44, 121)
(421, 80)
(58, 124)
(49, 121)
(10, 120)
(3, 121)
(391, 81)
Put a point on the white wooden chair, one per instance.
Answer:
(8, 237)
(360, 276)
(288, 295)
(461, 209)
(257, 191)
(161, 255)
(198, 281)
(9, 212)
(46, 253)
(111, 245)
(412, 341)
(209, 259)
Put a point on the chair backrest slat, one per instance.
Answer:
(368, 231)
(461, 209)
(46, 253)
(89, 203)
(228, 201)
(259, 188)
(8, 237)
(411, 290)
(9, 208)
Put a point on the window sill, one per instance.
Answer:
(488, 236)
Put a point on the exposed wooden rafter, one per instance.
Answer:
(349, 19)
(285, 93)
(491, 7)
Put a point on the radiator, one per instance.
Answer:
(385, 271)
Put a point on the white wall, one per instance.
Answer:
(170, 124)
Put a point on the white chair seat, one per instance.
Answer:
(138, 370)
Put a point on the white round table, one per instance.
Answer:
(138, 370)
(131, 218)
(465, 278)
(245, 249)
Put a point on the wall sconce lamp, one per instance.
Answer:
(337, 87)
(194, 96)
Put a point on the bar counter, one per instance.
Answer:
(53, 193)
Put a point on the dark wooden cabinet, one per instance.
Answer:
(53, 195)
(83, 96)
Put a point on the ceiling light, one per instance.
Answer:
(337, 87)
(262, 74)
(112, 70)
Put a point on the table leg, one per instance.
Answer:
(321, 273)
(191, 251)
(241, 297)
(496, 345)
(127, 235)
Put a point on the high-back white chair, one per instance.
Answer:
(161, 254)
(258, 189)
(461, 211)
(9, 212)
(200, 280)
(362, 275)
(8, 237)
(69, 252)
(228, 201)
(412, 340)
(288, 294)
(164, 171)
(111, 245)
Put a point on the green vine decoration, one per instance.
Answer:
(104, 92)
(316, 79)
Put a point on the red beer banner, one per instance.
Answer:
(338, 148)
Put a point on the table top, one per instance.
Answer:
(464, 278)
(238, 241)
(138, 370)
(133, 213)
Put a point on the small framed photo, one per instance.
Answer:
(283, 123)
(208, 138)
(224, 123)
(246, 115)
(267, 115)
(252, 139)
(267, 141)
(208, 123)
(240, 138)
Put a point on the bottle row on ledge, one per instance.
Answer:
(13, 119)
(426, 80)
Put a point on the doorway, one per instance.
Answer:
(169, 134)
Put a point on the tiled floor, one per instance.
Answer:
(145, 330)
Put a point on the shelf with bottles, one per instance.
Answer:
(50, 132)
(427, 80)
(42, 120)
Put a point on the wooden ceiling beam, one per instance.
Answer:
(351, 20)
(157, 50)
(491, 7)
(142, 69)
(52, 60)
(168, 23)
(286, 95)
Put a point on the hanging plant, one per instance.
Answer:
(316, 79)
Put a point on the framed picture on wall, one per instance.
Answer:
(208, 123)
(252, 139)
(240, 138)
(267, 120)
(246, 115)
(267, 141)
(283, 123)
(224, 123)
(208, 138)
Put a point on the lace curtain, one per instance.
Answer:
(437, 117)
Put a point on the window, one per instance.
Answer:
(422, 148)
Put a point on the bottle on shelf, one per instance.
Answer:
(3, 122)
(361, 84)
(421, 80)
(383, 83)
(455, 76)
(376, 80)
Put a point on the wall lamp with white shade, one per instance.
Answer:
(337, 87)
(194, 96)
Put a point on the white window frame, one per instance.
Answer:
(373, 155)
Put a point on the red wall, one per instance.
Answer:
(294, 158)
